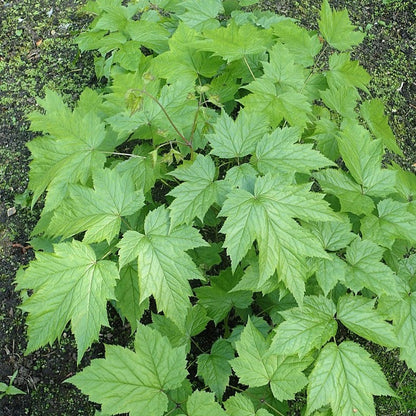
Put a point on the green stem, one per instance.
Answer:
(185, 140)
(248, 66)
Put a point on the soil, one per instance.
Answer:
(36, 51)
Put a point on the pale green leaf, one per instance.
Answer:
(214, 367)
(239, 405)
(337, 29)
(201, 14)
(278, 152)
(330, 271)
(70, 284)
(97, 211)
(151, 35)
(404, 321)
(194, 196)
(346, 377)
(256, 366)
(303, 45)
(346, 73)
(357, 313)
(366, 270)
(343, 100)
(135, 382)
(236, 42)
(363, 158)
(373, 113)
(393, 221)
(239, 137)
(202, 403)
(349, 193)
(267, 216)
(305, 328)
(128, 296)
(163, 266)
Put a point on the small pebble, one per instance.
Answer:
(11, 211)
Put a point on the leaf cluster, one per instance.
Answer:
(227, 193)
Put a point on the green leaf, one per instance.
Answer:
(337, 29)
(303, 45)
(73, 147)
(151, 35)
(278, 152)
(202, 403)
(330, 271)
(163, 266)
(201, 15)
(239, 137)
(68, 285)
(333, 235)
(97, 211)
(357, 313)
(135, 382)
(373, 113)
(394, 221)
(218, 299)
(349, 193)
(128, 296)
(194, 196)
(346, 73)
(256, 367)
(214, 368)
(239, 405)
(364, 257)
(236, 42)
(346, 377)
(404, 321)
(363, 158)
(267, 216)
(305, 328)
(184, 61)
(342, 100)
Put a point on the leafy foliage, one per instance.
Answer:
(233, 202)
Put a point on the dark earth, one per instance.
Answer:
(37, 51)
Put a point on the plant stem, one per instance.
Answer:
(248, 66)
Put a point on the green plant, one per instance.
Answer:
(9, 390)
(230, 180)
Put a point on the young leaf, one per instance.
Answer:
(97, 211)
(366, 270)
(349, 193)
(163, 266)
(278, 152)
(337, 29)
(128, 296)
(373, 113)
(330, 271)
(256, 367)
(301, 44)
(194, 196)
(68, 285)
(214, 368)
(236, 42)
(237, 138)
(305, 328)
(358, 314)
(363, 159)
(394, 221)
(240, 405)
(202, 403)
(201, 15)
(404, 322)
(136, 382)
(267, 216)
(346, 377)
(73, 148)
(346, 73)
